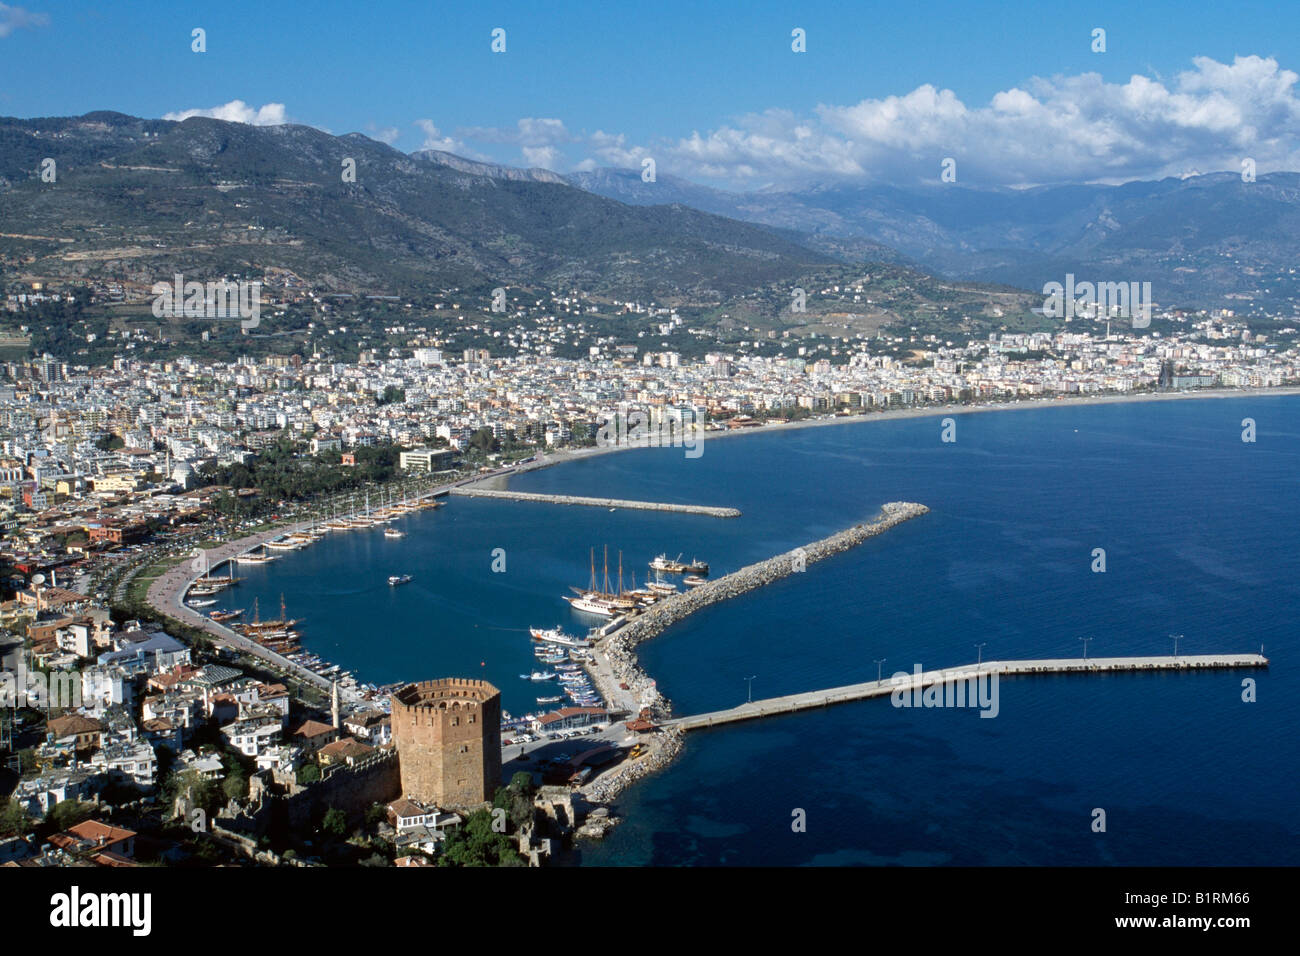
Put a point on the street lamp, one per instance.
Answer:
(878, 665)
(1085, 646)
(750, 696)
(979, 653)
(1177, 638)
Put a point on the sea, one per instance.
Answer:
(1198, 532)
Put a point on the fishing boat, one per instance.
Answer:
(549, 700)
(220, 616)
(395, 579)
(694, 581)
(394, 533)
(197, 604)
(678, 566)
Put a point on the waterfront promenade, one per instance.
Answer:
(954, 675)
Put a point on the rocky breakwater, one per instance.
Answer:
(619, 646)
(618, 650)
(664, 746)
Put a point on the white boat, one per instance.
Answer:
(553, 635)
(251, 558)
(394, 533)
(200, 603)
(395, 579)
(591, 606)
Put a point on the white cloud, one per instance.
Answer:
(16, 18)
(434, 139)
(387, 134)
(237, 111)
(1058, 129)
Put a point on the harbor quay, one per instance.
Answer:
(708, 510)
(912, 685)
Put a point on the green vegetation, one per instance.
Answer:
(477, 844)
(280, 474)
(14, 820)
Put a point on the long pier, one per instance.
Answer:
(970, 676)
(708, 510)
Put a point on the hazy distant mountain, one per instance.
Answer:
(141, 199)
(1207, 239)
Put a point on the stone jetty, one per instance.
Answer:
(470, 491)
(616, 653)
(618, 648)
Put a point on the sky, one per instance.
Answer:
(1014, 93)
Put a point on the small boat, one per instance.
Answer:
(200, 603)
(694, 581)
(394, 533)
(663, 587)
(395, 579)
(678, 566)
(220, 616)
(549, 700)
(539, 675)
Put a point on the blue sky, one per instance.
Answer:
(1012, 91)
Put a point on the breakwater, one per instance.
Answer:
(618, 649)
(708, 510)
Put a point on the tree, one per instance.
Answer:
(516, 799)
(477, 844)
(65, 814)
(13, 819)
(484, 441)
(335, 822)
(310, 773)
(235, 786)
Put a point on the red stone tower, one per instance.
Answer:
(448, 738)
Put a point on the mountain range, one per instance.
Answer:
(139, 199)
(1212, 240)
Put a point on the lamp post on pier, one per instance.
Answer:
(1176, 639)
(879, 664)
(749, 698)
(1085, 646)
(979, 653)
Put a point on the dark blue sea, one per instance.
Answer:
(1200, 536)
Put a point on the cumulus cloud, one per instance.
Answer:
(1056, 129)
(16, 18)
(387, 134)
(237, 111)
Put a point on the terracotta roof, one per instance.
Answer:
(311, 728)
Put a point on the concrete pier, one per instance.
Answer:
(949, 675)
(708, 510)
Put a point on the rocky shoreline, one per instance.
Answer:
(619, 649)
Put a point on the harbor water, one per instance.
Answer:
(1199, 533)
